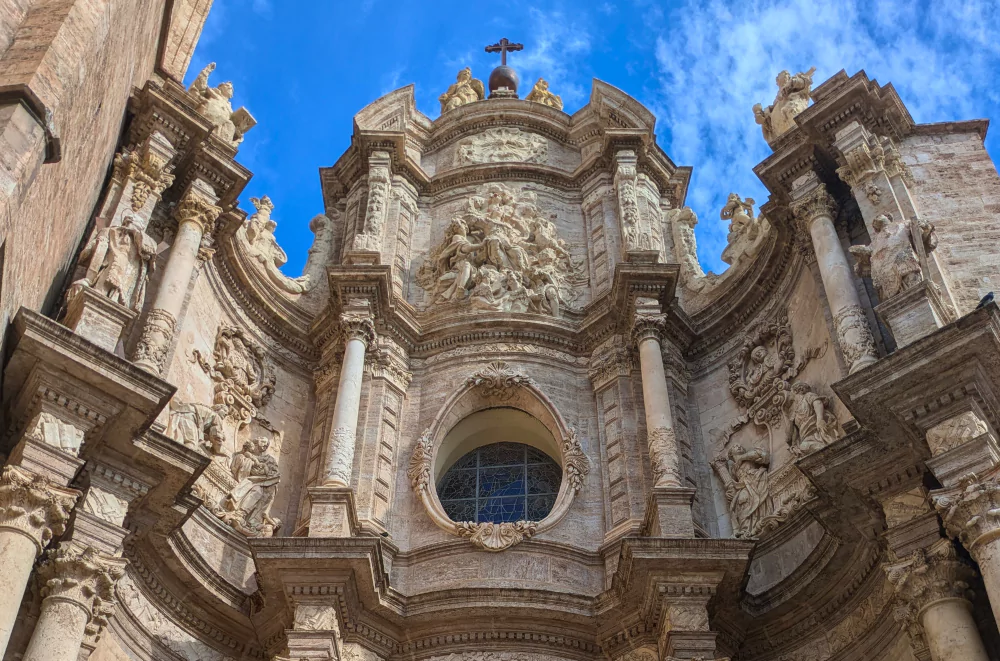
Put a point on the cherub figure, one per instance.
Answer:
(891, 258)
(540, 94)
(465, 89)
(215, 103)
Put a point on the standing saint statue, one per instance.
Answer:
(465, 89)
(249, 503)
(891, 258)
(744, 476)
(813, 424)
(792, 98)
(215, 103)
(120, 259)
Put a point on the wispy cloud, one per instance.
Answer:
(558, 44)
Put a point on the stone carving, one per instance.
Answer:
(853, 334)
(813, 426)
(971, 509)
(315, 617)
(905, 507)
(792, 98)
(85, 577)
(745, 229)
(873, 193)
(498, 380)
(379, 188)
(503, 145)
(954, 432)
(502, 254)
(892, 258)
(871, 155)
(662, 443)
(640, 654)
(119, 260)
(419, 470)
(744, 476)
(196, 426)
(149, 171)
(465, 89)
(155, 340)
(930, 574)
(540, 94)
(105, 505)
(31, 504)
(247, 507)
(576, 465)
(490, 536)
(683, 222)
(257, 235)
(47, 428)
(215, 104)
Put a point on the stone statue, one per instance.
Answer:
(745, 230)
(744, 475)
(891, 258)
(540, 94)
(465, 89)
(196, 426)
(258, 235)
(120, 259)
(215, 103)
(793, 97)
(503, 254)
(813, 425)
(248, 505)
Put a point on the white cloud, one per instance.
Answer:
(557, 44)
(715, 60)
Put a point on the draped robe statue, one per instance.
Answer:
(120, 259)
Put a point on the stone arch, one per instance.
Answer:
(496, 386)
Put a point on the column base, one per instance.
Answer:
(332, 512)
(913, 313)
(312, 645)
(690, 645)
(97, 318)
(642, 256)
(668, 513)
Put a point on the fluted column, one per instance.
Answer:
(358, 330)
(971, 514)
(78, 589)
(931, 590)
(195, 214)
(647, 333)
(32, 510)
(814, 208)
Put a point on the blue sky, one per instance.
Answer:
(305, 67)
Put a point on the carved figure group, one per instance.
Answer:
(502, 254)
(465, 89)
(792, 98)
(258, 237)
(540, 94)
(215, 103)
(503, 144)
(892, 258)
(248, 505)
(120, 259)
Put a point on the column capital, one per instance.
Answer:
(197, 205)
(83, 576)
(971, 510)
(810, 200)
(32, 505)
(648, 326)
(148, 166)
(929, 575)
(358, 325)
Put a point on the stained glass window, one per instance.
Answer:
(500, 482)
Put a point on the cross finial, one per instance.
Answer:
(502, 47)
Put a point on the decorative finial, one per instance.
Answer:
(503, 81)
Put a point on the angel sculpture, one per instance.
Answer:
(739, 213)
(891, 258)
(465, 89)
(259, 235)
(540, 94)
(792, 98)
(215, 104)
(813, 424)
(121, 258)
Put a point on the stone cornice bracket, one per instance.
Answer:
(33, 506)
(612, 360)
(863, 155)
(82, 576)
(971, 510)
(198, 206)
(928, 576)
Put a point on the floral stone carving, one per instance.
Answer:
(503, 254)
(792, 98)
(895, 257)
(496, 536)
(502, 145)
(498, 380)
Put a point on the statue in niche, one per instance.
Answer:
(215, 103)
(247, 506)
(744, 476)
(258, 236)
(891, 259)
(120, 260)
(503, 254)
(793, 97)
(813, 426)
(196, 426)
(540, 94)
(465, 89)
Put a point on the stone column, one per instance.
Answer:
(971, 514)
(931, 590)
(358, 330)
(32, 510)
(79, 589)
(647, 333)
(366, 246)
(196, 214)
(813, 209)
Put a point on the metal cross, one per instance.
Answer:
(502, 47)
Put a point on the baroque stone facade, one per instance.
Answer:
(504, 415)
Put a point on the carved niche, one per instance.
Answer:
(502, 145)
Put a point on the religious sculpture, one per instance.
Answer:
(891, 259)
(465, 89)
(120, 260)
(744, 477)
(196, 426)
(258, 236)
(813, 426)
(52, 431)
(540, 94)
(502, 254)
(215, 103)
(745, 229)
(500, 145)
(792, 98)
(248, 505)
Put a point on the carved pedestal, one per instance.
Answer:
(668, 513)
(913, 313)
(332, 512)
(98, 318)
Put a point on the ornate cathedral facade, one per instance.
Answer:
(503, 414)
